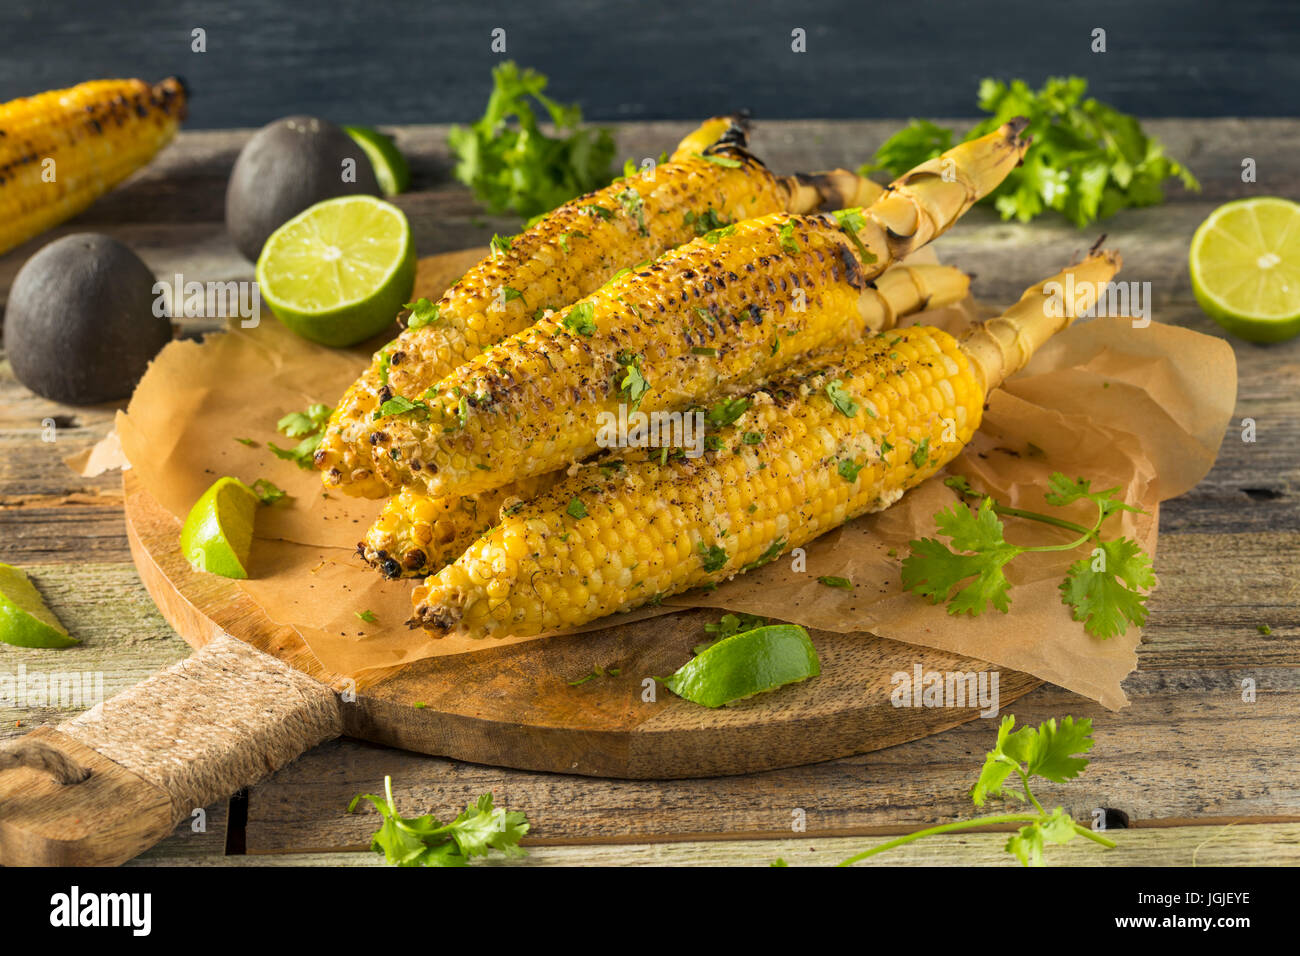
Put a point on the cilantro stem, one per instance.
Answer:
(1024, 778)
(1036, 516)
(944, 828)
(1094, 837)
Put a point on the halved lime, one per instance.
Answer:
(390, 166)
(746, 664)
(1245, 266)
(218, 532)
(340, 271)
(25, 621)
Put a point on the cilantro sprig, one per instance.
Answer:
(1088, 160)
(510, 164)
(423, 841)
(310, 427)
(1048, 751)
(1103, 590)
(632, 382)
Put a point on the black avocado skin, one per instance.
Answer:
(80, 326)
(287, 166)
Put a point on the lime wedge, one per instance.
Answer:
(1245, 266)
(25, 621)
(391, 170)
(218, 532)
(340, 271)
(746, 664)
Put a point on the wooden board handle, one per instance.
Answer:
(110, 783)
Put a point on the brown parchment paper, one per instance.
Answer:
(1141, 408)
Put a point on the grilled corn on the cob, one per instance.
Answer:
(824, 443)
(416, 535)
(723, 311)
(567, 255)
(62, 150)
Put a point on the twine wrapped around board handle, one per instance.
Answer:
(108, 783)
(33, 752)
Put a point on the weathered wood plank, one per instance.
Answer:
(190, 847)
(1214, 845)
(124, 640)
(172, 212)
(1188, 748)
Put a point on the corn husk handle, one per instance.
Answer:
(925, 202)
(103, 787)
(831, 189)
(1003, 345)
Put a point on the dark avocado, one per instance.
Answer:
(80, 324)
(287, 166)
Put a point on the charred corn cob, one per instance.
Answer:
(823, 443)
(725, 310)
(567, 255)
(416, 535)
(62, 150)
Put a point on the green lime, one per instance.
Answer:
(391, 171)
(218, 532)
(24, 619)
(340, 271)
(1245, 266)
(746, 664)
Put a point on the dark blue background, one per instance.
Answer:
(368, 62)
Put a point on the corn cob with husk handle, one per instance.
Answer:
(63, 149)
(722, 312)
(829, 440)
(568, 254)
(416, 535)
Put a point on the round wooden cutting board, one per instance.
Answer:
(518, 706)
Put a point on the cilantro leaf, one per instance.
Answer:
(298, 424)
(1088, 160)
(633, 383)
(310, 426)
(1064, 491)
(581, 319)
(933, 570)
(831, 581)
(730, 624)
(849, 471)
(1051, 755)
(423, 312)
(634, 207)
(267, 492)
(423, 841)
(922, 453)
(851, 221)
(788, 241)
(841, 398)
(1104, 590)
(401, 405)
(576, 509)
(1046, 751)
(712, 558)
(512, 165)
(727, 411)
(910, 147)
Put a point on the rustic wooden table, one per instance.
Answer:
(1191, 755)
